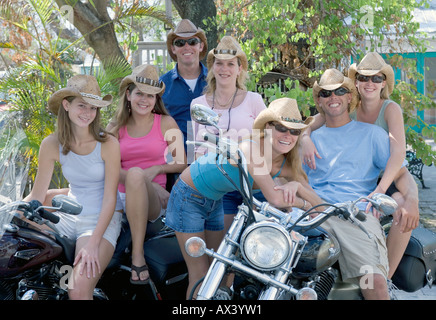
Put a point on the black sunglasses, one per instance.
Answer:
(181, 42)
(283, 129)
(338, 92)
(374, 79)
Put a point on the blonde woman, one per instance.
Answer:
(195, 207)
(227, 95)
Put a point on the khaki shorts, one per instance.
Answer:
(359, 255)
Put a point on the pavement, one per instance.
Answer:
(427, 207)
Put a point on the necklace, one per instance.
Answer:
(225, 104)
(230, 108)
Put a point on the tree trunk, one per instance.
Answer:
(96, 26)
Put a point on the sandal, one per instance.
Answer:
(138, 271)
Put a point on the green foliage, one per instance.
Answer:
(302, 38)
(43, 68)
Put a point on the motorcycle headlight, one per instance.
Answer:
(266, 245)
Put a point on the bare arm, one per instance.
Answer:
(408, 213)
(308, 149)
(290, 194)
(174, 138)
(397, 140)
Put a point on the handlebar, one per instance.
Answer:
(36, 208)
(36, 212)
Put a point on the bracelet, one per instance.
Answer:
(304, 205)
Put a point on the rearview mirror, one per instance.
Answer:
(66, 204)
(204, 115)
(384, 203)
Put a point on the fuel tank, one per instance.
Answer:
(320, 252)
(23, 248)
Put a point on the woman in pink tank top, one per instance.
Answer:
(147, 136)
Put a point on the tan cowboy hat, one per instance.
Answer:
(371, 64)
(83, 86)
(146, 78)
(186, 29)
(228, 48)
(331, 80)
(282, 110)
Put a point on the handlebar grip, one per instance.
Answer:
(35, 204)
(210, 137)
(361, 216)
(49, 216)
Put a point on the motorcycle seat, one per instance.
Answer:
(69, 247)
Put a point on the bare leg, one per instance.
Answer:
(80, 286)
(197, 267)
(142, 204)
(377, 289)
(53, 192)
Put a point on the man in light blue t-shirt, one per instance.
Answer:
(352, 156)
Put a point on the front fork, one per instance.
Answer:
(225, 257)
(227, 249)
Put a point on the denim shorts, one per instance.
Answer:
(188, 211)
(233, 199)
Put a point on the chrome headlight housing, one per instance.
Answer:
(266, 245)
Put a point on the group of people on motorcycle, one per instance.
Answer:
(292, 162)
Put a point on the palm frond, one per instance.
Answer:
(7, 45)
(141, 10)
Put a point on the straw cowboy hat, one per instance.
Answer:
(284, 111)
(186, 29)
(331, 80)
(83, 86)
(146, 79)
(371, 64)
(228, 48)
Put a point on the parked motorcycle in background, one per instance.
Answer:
(277, 255)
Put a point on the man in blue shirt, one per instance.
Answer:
(353, 154)
(187, 45)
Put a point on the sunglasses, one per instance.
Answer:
(338, 92)
(374, 79)
(181, 42)
(283, 129)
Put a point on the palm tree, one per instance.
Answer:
(42, 65)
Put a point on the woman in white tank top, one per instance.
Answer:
(90, 160)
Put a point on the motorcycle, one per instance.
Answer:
(276, 255)
(36, 263)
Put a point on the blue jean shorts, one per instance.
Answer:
(188, 211)
(233, 199)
